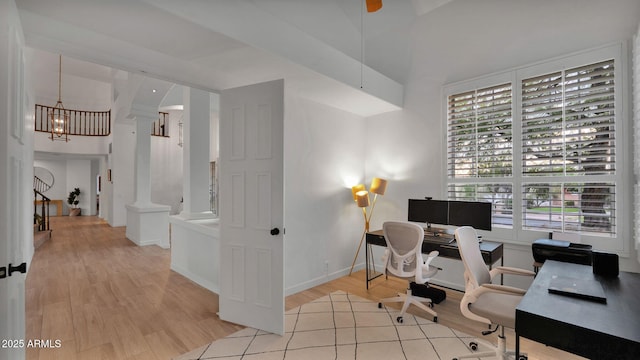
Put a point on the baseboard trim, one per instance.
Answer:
(197, 279)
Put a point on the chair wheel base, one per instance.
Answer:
(473, 345)
(399, 319)
(435, 319)
(523, 357)
(379, 305)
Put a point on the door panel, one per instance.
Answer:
(237, 272)
(237, 133)
(237, 193)
(251, 201)
(263, 197)
(16, 195)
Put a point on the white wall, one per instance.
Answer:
(195, 251)
(324, 152)
(93, 176)
(79, 176)
(91, 145)
(197, 151)
(166, 166)
(448, 46)
(77, 92)
(58, 169)
(213, 126)
(105, 189)
(122, 176)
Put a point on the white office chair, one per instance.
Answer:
(492, 304)
(403, 259)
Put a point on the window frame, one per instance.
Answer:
(623, 176)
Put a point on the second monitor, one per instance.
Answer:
(459, 213)
(470, 213)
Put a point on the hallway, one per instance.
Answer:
(105, 298)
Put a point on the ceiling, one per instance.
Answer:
(316, 46)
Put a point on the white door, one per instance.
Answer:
(251, 201)
(15, 193)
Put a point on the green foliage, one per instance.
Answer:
(74, 197)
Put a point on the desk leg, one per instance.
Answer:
(517, 346)
(366, 250)
(373, 260)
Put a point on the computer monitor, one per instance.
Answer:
(428, 211)
(470, 213)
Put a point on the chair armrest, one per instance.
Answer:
(510, 271)
(432, 255)
(503, 289)
(494, 288)
(472, 296)
(426, 271)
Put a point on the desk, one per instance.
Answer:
(56, 203)
(491, 251)
(582, 327)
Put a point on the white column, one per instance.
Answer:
(196, 137)
(142, 163)
(147, 223)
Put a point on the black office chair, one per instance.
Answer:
(492, 304)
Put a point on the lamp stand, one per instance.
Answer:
(371, 259)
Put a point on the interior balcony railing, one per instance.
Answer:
(161, 126)
(81, 122)
(43, 216)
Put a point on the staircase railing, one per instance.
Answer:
(40, 185)
(161, 126)
(87, 123)
(44, 212)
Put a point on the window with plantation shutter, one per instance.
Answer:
(479, 136)
(568, 124)
(568, 130)
(545, 151)
(480, 146)
(587, 207)
(499, 194)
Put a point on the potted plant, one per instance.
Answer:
(73, 200)
(37, 221)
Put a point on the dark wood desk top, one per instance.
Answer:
(491, 251)
(583, 327)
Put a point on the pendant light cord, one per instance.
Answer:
(60, 79)
(361, 42)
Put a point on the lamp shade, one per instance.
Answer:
(378, 186)
(362, 198)
(374, 5)
(355, 189)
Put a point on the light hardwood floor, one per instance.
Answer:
(105, 298)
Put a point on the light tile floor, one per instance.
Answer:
(341, 326)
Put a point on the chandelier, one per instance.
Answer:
(58, 116)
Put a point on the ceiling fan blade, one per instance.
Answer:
(374, 5)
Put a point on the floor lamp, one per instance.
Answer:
(361, 197)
